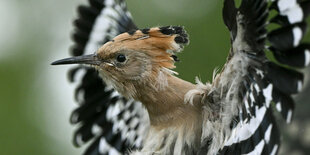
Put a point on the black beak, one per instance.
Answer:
(91, 59)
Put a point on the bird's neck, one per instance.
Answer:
(172, 120)
(166, 105)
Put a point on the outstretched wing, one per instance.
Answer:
(241, 118)
(104, 117)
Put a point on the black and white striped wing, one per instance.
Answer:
(104, 117)
(250, 85)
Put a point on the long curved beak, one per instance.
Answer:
(90, 59)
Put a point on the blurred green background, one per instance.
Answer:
(36, 98)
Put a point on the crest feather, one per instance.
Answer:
(161, 43)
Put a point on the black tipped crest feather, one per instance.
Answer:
(132, 32)
(182, 36)
(145, 31)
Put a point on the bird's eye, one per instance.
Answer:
(121, 58)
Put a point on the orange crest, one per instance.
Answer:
(160, 43)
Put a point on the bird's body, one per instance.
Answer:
(172, 121)
(183, 128)
(230, 115)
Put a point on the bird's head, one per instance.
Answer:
(135, 56)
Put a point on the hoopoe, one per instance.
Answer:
(133, 69)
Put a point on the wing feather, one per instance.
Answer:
(250, 84)
(104, 117)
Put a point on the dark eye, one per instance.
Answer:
(121, 58)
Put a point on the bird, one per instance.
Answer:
(132, 102)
